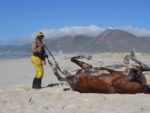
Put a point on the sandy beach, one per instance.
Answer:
(16, 95)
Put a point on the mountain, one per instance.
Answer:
(147, 38)
(109, 41)
(118, 41)
(68, 43)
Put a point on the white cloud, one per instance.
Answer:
(91, 30)
(136, 31)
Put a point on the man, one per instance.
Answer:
(38, 59)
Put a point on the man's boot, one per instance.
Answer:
(39, 81)
(35, 84)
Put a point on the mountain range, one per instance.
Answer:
(111, 40)
(108, 41)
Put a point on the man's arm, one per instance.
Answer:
(36, 49)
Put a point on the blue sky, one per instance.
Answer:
(20, 18)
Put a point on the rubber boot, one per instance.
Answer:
(39, 81)
(35, 83)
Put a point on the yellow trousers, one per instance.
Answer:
(39, 70)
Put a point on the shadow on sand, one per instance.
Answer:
(57, 84)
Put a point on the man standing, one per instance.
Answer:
(38, 59)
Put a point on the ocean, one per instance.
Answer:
(14, 54)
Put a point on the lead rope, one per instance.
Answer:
(57, 66)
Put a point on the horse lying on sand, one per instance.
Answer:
(91, 79)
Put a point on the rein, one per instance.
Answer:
(56, 64)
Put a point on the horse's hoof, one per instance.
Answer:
(88, 57)
(127, 59)
(133, 53)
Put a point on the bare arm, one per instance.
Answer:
(35, 49)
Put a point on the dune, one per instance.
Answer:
(16, 95)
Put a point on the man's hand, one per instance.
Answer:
(46, 56)
(44, 62)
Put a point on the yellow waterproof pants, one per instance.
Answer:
(37, 62)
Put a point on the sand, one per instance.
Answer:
(16, 95)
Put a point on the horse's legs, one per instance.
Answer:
(132, 56)
(83, 65)
(144, 66)
(55, 71)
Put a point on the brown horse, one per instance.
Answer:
(91, 79)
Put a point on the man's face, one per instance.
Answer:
(41, 37)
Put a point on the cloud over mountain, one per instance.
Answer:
(140, 32)
(91, 30)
